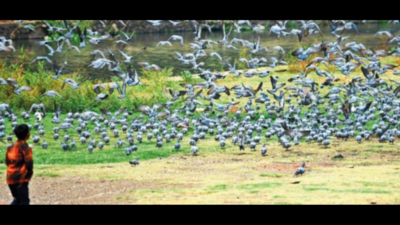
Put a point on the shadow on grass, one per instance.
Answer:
(352, 191)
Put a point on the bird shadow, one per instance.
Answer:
(242, 153)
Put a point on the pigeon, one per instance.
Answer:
(134, 162)
(301, 170)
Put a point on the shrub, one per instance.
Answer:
(35, 76)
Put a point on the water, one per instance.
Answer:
(164, 56)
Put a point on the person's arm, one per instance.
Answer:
(29, 162)
(7, 158)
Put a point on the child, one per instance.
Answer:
(19, 166)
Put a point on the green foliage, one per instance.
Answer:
(85, 24)
(35, 76)
(219, 21)
(293, 62)
(186, 76)
(60, 23)
(245, 29)
(292, 24)
(243, 54)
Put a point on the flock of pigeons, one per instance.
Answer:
(299, 110)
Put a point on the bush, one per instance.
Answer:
(294, 64)
(242, 54)
(83, 98)
(186, 76)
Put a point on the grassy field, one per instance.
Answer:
(219, 176)
(80, 155)
(369, 172)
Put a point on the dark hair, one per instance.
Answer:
(21, 131)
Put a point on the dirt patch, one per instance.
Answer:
(279, 168)
(79, 190)
(214, 178)
(65, 190)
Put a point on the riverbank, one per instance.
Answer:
(11, 29)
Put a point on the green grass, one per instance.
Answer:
(259, 185)
(35, 76)
(101, 156)
(275, 175)
(219, 187)
(278, 196)
(218, 177)
(47, 174)
(147, 150)
(245, 186)
(110, 154)
(352, 191)
(373, 184)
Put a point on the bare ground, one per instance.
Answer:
(222, 178)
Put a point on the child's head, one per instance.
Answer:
(22, 132)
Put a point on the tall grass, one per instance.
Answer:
(35, 76)
(383, 45)
(294, 65)
(243, 54)
(187, 76)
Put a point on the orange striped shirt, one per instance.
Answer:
(19, 163)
